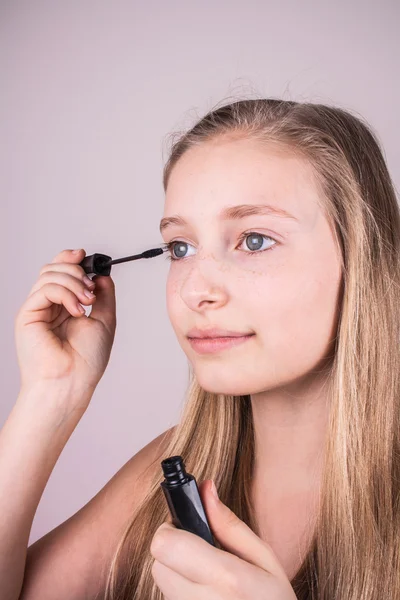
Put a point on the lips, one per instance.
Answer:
(217, 345)
(216, 332)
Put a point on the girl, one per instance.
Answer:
(283, 231)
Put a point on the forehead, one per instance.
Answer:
(213, 175)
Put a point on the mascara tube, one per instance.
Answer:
(183, 498)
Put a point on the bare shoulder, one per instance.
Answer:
(71, 561)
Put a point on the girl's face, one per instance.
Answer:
(276, 276)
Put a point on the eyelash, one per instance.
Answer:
(169, 246)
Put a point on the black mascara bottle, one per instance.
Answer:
(183, 498)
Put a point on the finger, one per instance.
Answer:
(227, 577)
(173, 585)
(66, 261)
(191, 556)
(70, 268)
(104, 309)
(238, 538)
(69, 256)
(70, 282)
(35, 308)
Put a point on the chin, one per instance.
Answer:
(221, 381)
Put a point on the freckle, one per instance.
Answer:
(257, 272)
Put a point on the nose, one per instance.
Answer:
(204, 287)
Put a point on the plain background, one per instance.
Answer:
(90, 91)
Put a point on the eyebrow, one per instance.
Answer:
(232, 213)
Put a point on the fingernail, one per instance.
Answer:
(88, 281)
(76, 251)
(214, 491)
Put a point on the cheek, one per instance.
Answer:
(174, 302)
(299, 319)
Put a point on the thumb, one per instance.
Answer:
(104, 307)
(235, 536)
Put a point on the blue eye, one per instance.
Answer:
(254, 235)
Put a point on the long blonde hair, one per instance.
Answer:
(355, 549)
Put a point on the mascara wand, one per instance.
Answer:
(100, 264)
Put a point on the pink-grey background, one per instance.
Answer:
(89, 92)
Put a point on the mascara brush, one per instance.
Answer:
(100, 264)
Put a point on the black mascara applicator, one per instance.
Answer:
(100, 264)
(183, 499)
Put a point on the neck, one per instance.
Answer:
(290, 429)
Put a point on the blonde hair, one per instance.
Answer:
(355, 548)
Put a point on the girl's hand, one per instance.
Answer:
(186, 566)
(56, 343)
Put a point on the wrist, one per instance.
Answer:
(56, 399)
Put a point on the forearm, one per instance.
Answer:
(31, 442)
